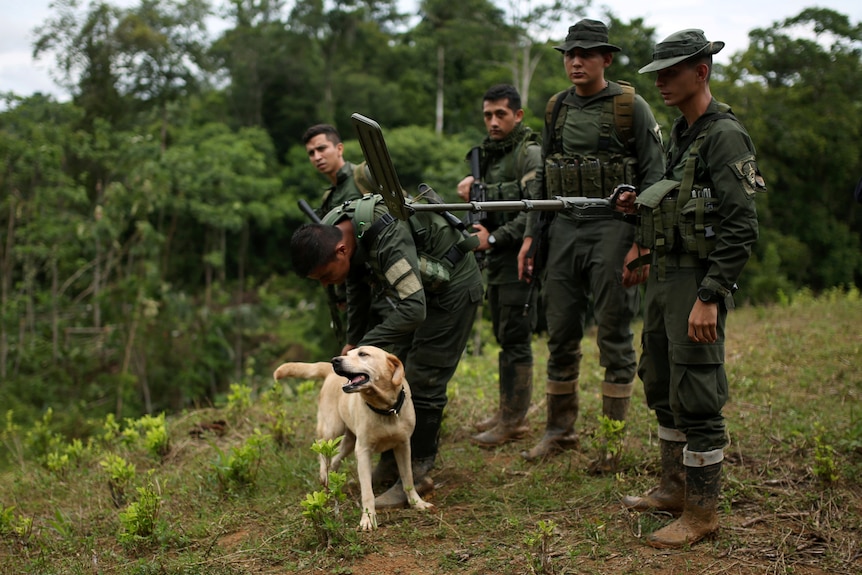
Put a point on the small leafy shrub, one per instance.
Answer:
(121, 473)
(609, 437)
(539, 543)
(139, 520)
(14, 527)
(825, 468)
(323, 508)
(10, 437)
(151, 431)
(237, 469)
(239, 398)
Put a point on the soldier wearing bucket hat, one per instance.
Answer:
(681, 46)
(700, 222)
(597, 135)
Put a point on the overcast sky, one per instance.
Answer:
(726, 20)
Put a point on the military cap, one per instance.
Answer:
(588, 35)
(681, 46)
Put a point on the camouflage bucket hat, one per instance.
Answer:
(588, 35)
(680, 46)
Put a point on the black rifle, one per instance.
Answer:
(332, 296)
(478, 193)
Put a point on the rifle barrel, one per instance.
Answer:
(555, 205)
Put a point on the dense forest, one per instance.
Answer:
(144, 224)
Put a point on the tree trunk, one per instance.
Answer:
(438, 112)
(5, 284)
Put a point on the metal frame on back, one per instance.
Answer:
(380, 165)
(386, 179)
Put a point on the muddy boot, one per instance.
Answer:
(700, 517)
(488, 422)
(616, 398)
(560, 433)
(516, 391)
(423, 454)
(385, 472)
(669, 494)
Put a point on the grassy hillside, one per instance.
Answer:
(220, 491)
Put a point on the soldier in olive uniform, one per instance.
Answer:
(510, 158)
(590, 143)
(425, 272)
(326, 152)
(700, 222)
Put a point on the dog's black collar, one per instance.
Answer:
(392, 410)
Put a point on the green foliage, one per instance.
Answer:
(539, 542)
(323, 508)
(121, 474)
(236, 470)
(19, 527)
(152, 432)
(140, 520)
(610, 434)
(825, 468)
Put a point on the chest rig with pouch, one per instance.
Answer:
(680, 217)
(594, 175)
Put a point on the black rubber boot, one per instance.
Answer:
(560, 428)
(700, 516)
(516, 392)
(669, 494)
(423, 454)
(385, 473)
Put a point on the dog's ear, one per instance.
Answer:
(397, 368)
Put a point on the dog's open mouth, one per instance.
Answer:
(354, 381)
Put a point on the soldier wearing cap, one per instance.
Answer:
(706, 198)
(587, 138)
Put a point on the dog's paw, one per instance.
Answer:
(422, 504)
(368, 521)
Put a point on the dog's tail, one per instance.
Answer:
(300, 370)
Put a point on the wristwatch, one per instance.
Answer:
(491, 240)
(707, 295)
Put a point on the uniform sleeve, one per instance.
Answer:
(398, 263)
(648, 144)
(358, 309)
(730, 159)
(512, 232)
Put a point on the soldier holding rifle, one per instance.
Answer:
(502, 168)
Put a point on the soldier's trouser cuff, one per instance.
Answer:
(669, 434)
(561, 387)
(617, 390)
(701, 458)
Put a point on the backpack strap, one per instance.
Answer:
(617, 113)
(624, 113)
(552, 118)
(367, 226)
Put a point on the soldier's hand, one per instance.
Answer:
(525, 264)
(638, 275)
(626, 202)
(482, 233)
(464, 188)
(347, 348)
(702, 322)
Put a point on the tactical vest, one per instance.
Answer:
(595, 175)
(680, 217)
(510, 187)
(439, 246)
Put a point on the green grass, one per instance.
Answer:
(791, 499)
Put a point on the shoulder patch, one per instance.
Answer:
(747, 171)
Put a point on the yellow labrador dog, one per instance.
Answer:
(372, 409)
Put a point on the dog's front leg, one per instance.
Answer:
(363, 466)
(405, 470)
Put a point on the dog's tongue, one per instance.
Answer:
(356, 380)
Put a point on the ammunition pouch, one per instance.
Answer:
(588, 176)
(673, 224)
